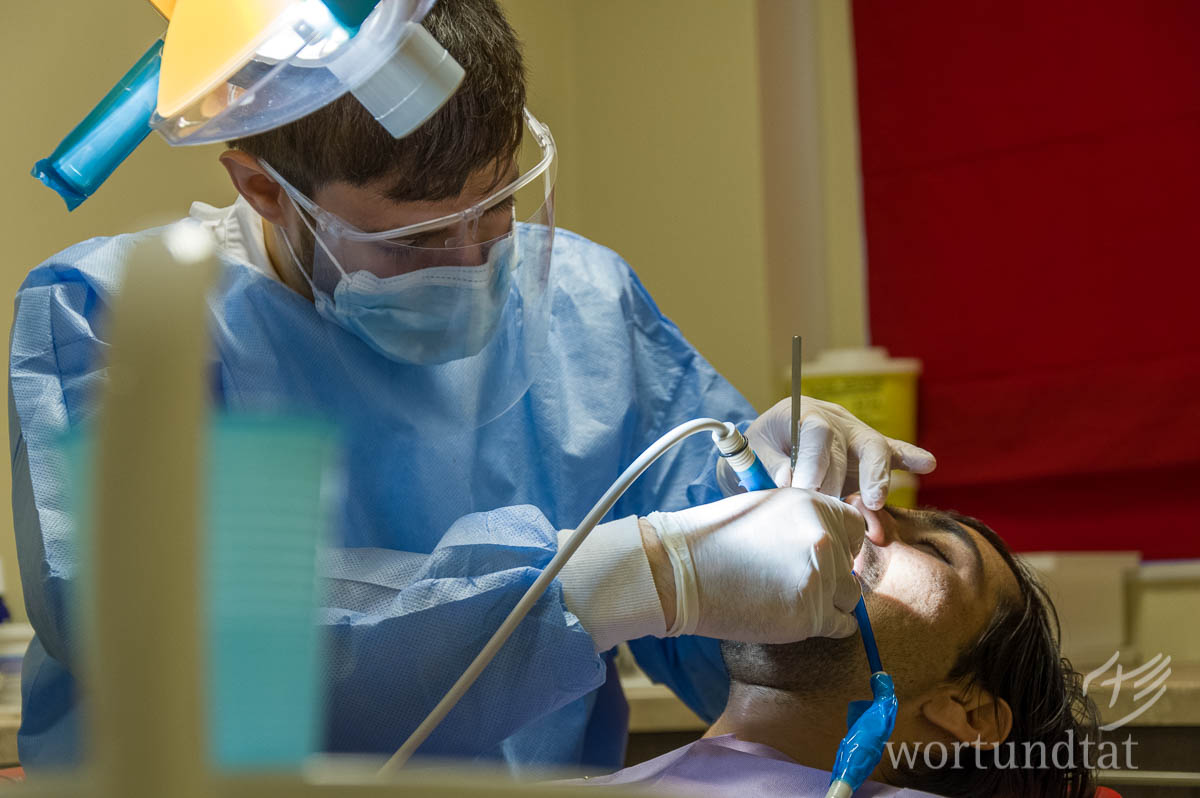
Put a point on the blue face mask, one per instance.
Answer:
(415, 293)
(428, 316)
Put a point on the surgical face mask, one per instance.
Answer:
(435, 291)
(433, 315)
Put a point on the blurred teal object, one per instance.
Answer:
(107, 135)
(272, 484)
(270, 489)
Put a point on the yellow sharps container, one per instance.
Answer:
(880, 390)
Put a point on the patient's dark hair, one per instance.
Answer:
(479, 127)
(1017, 658)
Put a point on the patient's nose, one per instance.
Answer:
(881, 526)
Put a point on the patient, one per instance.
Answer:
(972, 643)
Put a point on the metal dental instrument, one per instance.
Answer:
(795, 398)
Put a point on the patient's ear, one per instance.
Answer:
(969, 714)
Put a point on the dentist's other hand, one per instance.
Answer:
(771, 566)
(838, 454)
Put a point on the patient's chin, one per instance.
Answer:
(813, 666)
(823, 662)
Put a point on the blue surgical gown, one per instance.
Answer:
(441, 529)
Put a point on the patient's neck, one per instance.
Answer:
(805, 727)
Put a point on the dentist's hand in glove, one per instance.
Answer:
(838, 454)
(772, 566)
(765, 567)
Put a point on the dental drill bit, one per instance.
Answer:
(795, 399)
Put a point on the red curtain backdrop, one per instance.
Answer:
(1031, 185)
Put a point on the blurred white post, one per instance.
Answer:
(812, 180)
(845, 234)
(144, 686)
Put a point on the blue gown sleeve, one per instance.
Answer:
(400, 626)
(676, 384)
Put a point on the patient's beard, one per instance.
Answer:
(818, 666)
(873, 567)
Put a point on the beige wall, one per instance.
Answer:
(713, 143)
(655, 107)
(61, 58)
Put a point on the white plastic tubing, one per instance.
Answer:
(725, 435)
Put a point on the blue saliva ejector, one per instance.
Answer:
(870, 722)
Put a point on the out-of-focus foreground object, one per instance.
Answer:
(222, 517)
(144, 691)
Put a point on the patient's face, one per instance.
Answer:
(931, 585)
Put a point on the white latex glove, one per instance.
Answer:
(838, 454)
(771, 566)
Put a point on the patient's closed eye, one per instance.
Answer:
(933, 549)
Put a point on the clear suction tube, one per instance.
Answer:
(107, 135)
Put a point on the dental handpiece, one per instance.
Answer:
(751, 473)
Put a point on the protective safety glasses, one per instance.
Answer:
(462, 238)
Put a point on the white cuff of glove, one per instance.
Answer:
(608, 585)
(687, 591)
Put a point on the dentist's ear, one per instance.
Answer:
(970, 715)
(264, 194)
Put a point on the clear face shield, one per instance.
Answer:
(458, 303)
